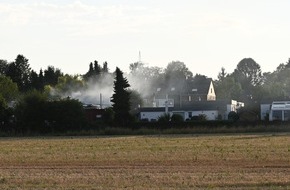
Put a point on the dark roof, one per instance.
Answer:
(204, 105)
(194, 106)
(189, 87)
(154, 109)
(202, 87)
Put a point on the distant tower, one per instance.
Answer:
(139, 57)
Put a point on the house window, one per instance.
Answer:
(277, 115)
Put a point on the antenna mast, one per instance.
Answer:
(139, 56)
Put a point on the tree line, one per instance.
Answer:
(47, 91)
(40, 102)
(247, 83)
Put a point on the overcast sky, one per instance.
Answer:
(204, 34)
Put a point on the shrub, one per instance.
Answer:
(233, 116)
(195, 118)
(65, 114)
(164, 118)
(109, 116)
(30, 111)
(3, 107)
(200, 117)
(176, 118)
(36, 114)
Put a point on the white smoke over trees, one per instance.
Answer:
(96, 86)
(145, 79)
(87, 92)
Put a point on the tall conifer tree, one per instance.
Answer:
(121, 99)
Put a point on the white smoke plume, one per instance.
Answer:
(95, 91)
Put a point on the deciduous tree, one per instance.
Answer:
(136, 101)
(3, 106)
(3, 67)
(176, 75)
(277, 84)
(51, 75)
(248, 73)
(8, 89)
(68, 84)
(228, 88)
(19, 72)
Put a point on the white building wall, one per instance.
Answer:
(265, 109)
(151, 115)
(210, 115)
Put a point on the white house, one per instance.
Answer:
(196, 97)
(276, 111)
(178, 96)
(213, 110)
